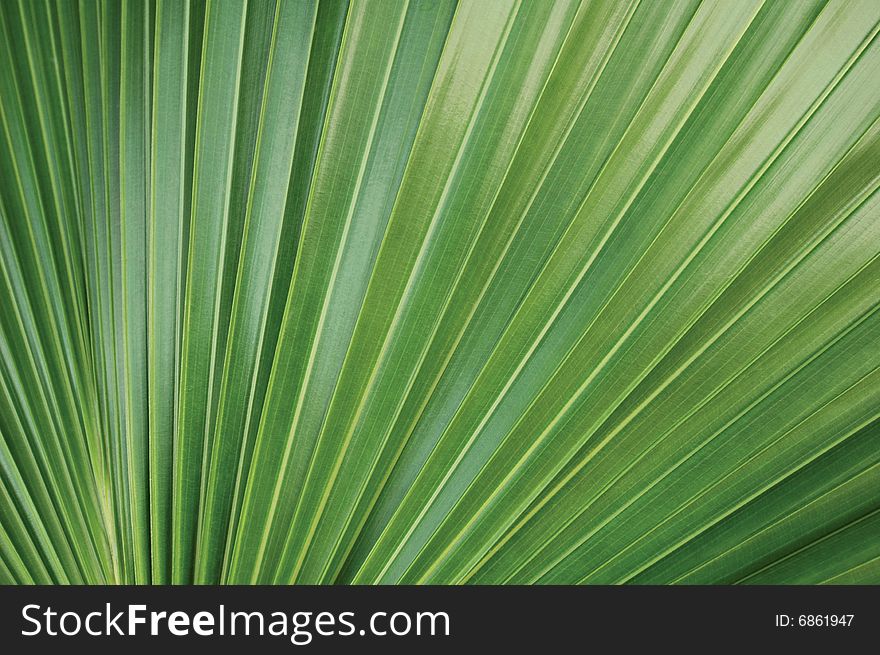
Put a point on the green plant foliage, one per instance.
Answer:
(426, 291)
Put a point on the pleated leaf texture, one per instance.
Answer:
(440, 292)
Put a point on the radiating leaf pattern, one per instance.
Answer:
(438, 291)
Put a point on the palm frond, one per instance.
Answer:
(439, 291)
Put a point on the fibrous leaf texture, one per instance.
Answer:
(438, 291)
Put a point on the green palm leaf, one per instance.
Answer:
(438, 291)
